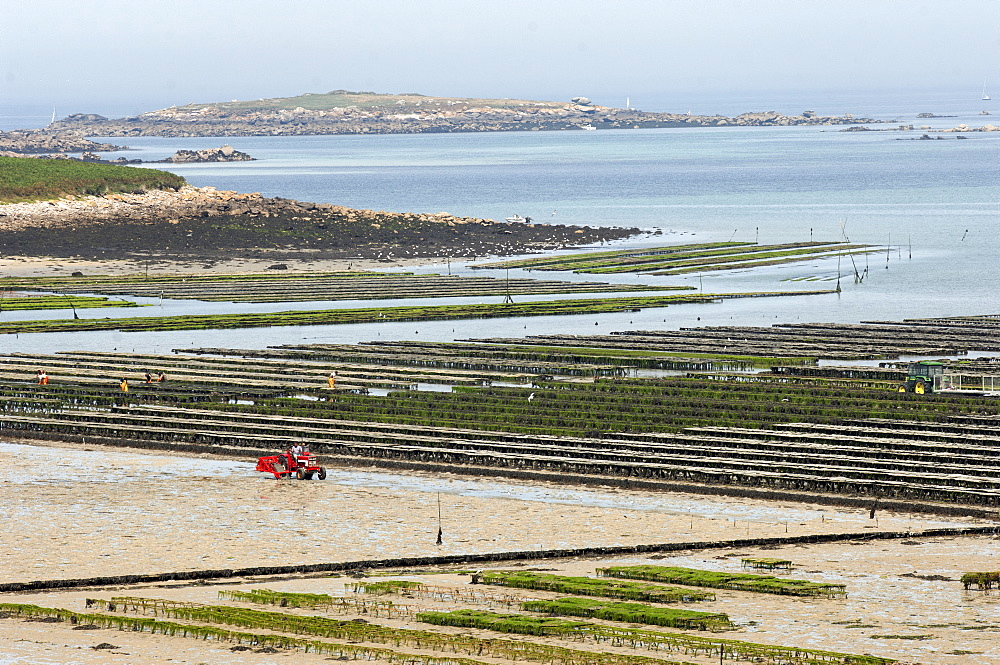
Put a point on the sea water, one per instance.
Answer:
(931, 206)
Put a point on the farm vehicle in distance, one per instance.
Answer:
(920, 378)
(287, 464)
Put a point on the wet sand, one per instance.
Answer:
(102, 511)
(34, 266)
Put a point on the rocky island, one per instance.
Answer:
(345, 112)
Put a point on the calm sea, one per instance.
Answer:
(932, 206)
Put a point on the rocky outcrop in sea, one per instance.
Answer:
(49, 142)
(224, 154)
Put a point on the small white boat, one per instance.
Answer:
(588, 127)
(986, 97)
(515, 219)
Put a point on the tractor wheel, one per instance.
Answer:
(321, 474)
(902, 388)
(920, 387)
(300, 474)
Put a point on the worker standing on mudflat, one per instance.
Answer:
(331, 380)
(124, 385)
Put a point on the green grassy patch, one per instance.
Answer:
(29, 179)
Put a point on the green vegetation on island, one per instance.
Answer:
(28, 179)
(343, 99)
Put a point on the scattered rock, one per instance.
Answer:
(224, 154)
(965, 128)
(104, 645)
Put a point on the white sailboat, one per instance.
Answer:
(986, 97)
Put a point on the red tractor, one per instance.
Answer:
(287, 464)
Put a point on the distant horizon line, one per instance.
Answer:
(783, 93)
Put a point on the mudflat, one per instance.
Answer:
(106, 511)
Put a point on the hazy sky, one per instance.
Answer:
(85, 54)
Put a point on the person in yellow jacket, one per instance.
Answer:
(124, 385)
(331, 380)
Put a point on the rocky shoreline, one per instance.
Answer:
(46, 144)
(206, 223)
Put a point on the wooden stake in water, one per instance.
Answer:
(440, 531)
